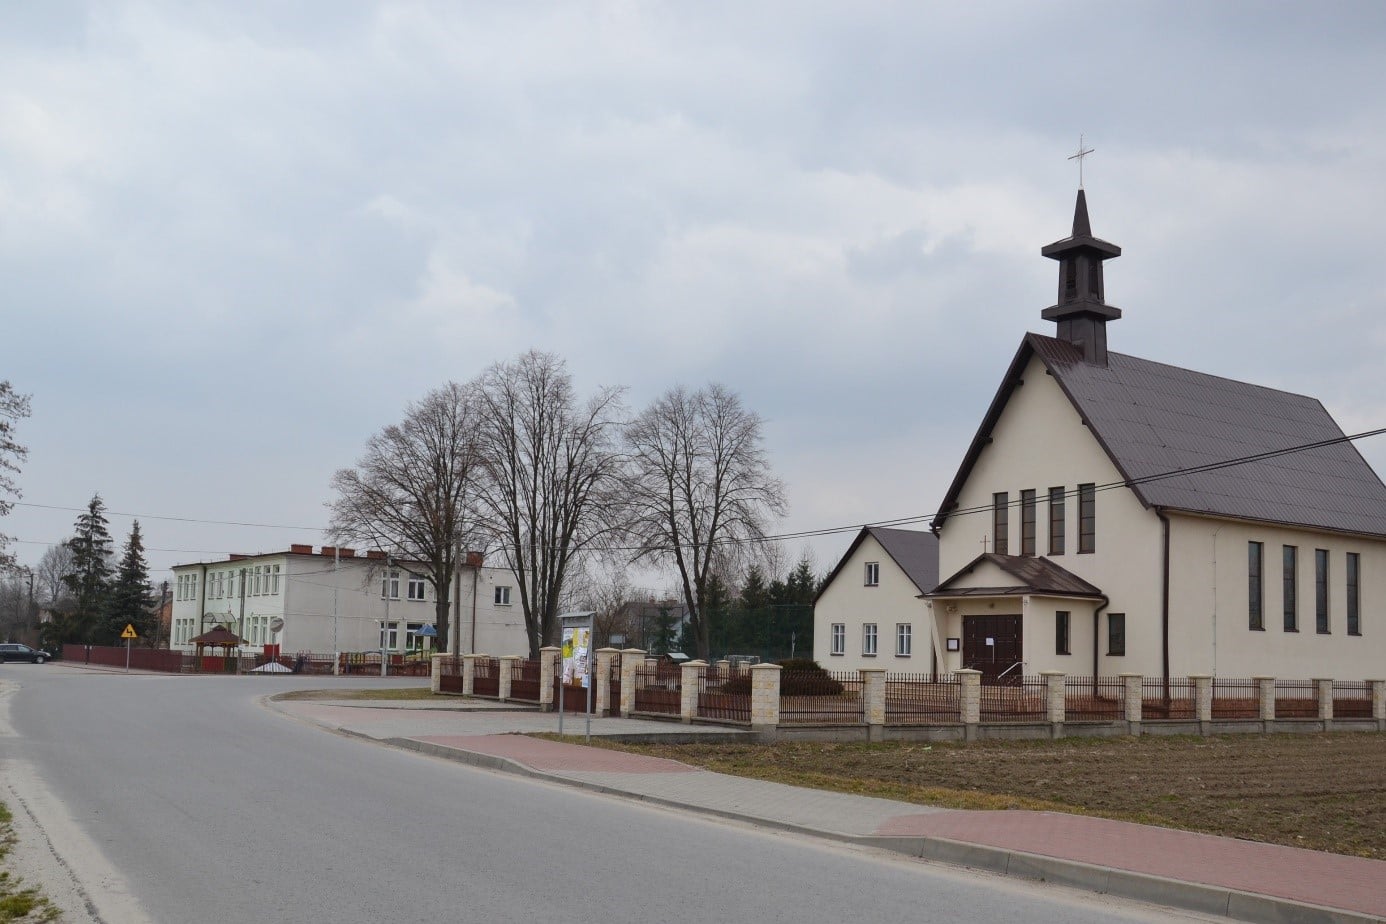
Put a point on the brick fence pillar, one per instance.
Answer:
(1325, 691)
(691, 676)
(548, 669)
(1378, 703)
(435, 673)
(1054, 703)
(969, 701)
(765, 698)
(873, 706)
(1131, 701)
(631, 659)
(507, 675)
(1265, 697)
(469, 673)
(602, 700)
(1203, 701)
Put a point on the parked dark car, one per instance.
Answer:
(9, 651)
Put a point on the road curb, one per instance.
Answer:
(1145, 887)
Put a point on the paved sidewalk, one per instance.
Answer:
(1216, 875)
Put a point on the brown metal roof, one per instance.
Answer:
(915, 551)
(1033, 576)
(1159, 420)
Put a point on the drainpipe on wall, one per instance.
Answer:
(1096, 636)
(1164, 599)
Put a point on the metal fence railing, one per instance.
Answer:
(922, 699)
(724, 696)
(1296, 699)
(821, 697)
(1236, 698)
(450, 674)
(1352, 699)
(1094, 699)
(524, 680)
(1019, 700)
(486, 677)
(1168, 698)
(657, 691)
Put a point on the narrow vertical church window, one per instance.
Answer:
(1116, 633)
(1321, 591)
(1254, 560)
(1061, 632)
(1290, 589)
(1354, 594)
(1027, 522)
(1000, 523)
(1087, 518)
(1056, 521)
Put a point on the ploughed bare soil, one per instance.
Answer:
(1323, 792)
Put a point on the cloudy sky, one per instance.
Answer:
(236, 238)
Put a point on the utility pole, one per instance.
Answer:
(385, 627)
(336, 647)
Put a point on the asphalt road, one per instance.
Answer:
(183, 799)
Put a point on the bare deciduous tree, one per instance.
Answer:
(551, 486)
(13, 408)
(701, 486)
(55, 565)
(411, 492)
(607, 593)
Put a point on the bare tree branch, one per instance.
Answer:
(701, 486)
(411, 493)
(552, 474)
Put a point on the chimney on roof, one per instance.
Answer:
(298, 549)
(1082, 313)
(375, 554)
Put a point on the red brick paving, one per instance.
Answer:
(1351, 883)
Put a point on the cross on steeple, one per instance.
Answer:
(1079, 157)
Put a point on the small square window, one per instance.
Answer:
(416, 587)
(873, 574)
(502, 595)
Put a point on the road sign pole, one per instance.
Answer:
(128, 635)
(127, 656)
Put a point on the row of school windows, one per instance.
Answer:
(258, 581)
(1290, 594)
(1029, 521)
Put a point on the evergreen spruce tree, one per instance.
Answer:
(90, 579)
(130, 603)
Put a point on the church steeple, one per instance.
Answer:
(1081, 312)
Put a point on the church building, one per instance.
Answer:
(1115, 514)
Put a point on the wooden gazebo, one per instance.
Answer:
(219, 637)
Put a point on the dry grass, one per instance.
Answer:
(402, 693)
(1324, 792)
(18, 904)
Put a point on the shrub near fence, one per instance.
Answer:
(820, 698)
(922, 699)
(715, 702)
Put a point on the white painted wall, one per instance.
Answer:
(849, 601)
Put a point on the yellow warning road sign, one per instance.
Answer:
(129, 632)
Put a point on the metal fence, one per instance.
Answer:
(524, 680)
(450, 674)
(657, 691)
(922, 699)
(1167, 698)
(1094, 699)
(724, 696)
(1021, 700)
(821, 698)
(486, 677)
(1352, 699)
(1296, 699)
(1236, 698)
